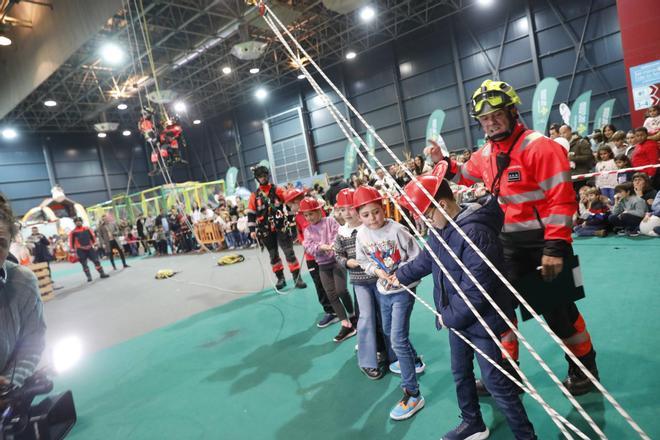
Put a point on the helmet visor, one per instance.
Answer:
(488, 102)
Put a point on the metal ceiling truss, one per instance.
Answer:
(82, 85)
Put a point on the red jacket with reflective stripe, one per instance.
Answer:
(535, 190)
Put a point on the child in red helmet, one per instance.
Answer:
(293, 198)
(481, 222)
(382, 246)
(370, 335)
(319, 242)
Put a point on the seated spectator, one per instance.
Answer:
(606, 182)
(643, 188)
(160, 239)
(597, 214)
(650, 225)
(583, 206)
(421, 167)
(646, 151)
(622, 162)
(628, 211)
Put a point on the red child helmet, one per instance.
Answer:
(345, 198)
(365, 195)
(309, 204)
(293, 194)
(430, 182)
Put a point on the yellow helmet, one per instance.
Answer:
(492, 96)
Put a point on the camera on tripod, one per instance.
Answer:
(50, 419)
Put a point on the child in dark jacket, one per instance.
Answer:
(482, 224)
(598, 211)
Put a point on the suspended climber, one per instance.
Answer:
(530, 175)
(165, 139)
(271, 226)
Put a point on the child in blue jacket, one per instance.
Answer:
(482, 223)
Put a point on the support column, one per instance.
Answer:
(104, 169)
(531, 27)
(399, 100)
(239, 149)
(304, 113)
(461, 89)
(50, 169)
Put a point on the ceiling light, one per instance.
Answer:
(5, 41)
(226, 70)
(484, 3)
(50, 103)
(179, 107)
(122, 106)
(197, 122)
(126, 132)
(367, 13)
(261, 93)
(112, 53)
(301, 76)
(102, 135)
(350, 55)
(254, 70)
(9, 133)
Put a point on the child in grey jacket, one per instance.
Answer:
(628, 211)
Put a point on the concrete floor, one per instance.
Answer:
(132, 302)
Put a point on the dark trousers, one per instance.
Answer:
(334, 283)
(626, 221)
(88, 254)
(500, 387)
(524, 256)
(314, 272)
(271, 241)
(114, 245)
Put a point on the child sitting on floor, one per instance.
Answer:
(598, 211)
(628, 211)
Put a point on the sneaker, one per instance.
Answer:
(621, 233)
(420, 366)
(407, 406)
(327, 320)
(105, 275)
(468, 431)
(633, 233)
(601, 233)
(345, 333)
(372, 373)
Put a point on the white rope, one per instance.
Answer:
(545, 327)
(341, 121)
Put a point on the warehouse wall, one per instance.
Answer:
(395, 87)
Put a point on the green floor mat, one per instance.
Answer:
(259, 368)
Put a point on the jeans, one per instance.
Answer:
(395, 310)
(367, 326)
(500, 387)
(609, 192)
(626, 221)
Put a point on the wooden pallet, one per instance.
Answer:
(43, 279)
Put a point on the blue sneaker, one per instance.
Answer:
(468, 431)
(327, 319)
(407, 406)
(420, 366)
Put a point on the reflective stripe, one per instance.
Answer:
(528, 196)
(252, 224)
(469, 176)
(558, 220)
(530, 138)
(528, 225)
(551, 182)
(250, 211)
(459, 173)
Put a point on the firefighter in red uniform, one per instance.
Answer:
(269, 224)
(531, 176)
(81, 242)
